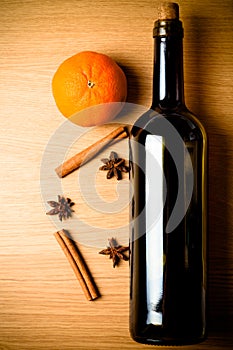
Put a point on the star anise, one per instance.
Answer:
(62, 208)
(115, 252)
(114, 165)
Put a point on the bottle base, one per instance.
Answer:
(168, 341)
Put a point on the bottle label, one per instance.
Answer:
(154, 227)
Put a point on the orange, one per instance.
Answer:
(88, 79)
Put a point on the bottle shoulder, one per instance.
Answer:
(162, 123)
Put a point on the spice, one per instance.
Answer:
(62, 208)
(78, 265)
(88, 153)
(114, 165)
(115, 252)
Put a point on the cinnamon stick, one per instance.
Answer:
(88, 153)
(78, 265)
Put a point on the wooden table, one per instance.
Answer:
(41, 303)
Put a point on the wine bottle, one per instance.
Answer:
(168, 221)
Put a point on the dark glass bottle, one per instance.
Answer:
(168, 150)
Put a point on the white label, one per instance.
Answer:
(154, 227)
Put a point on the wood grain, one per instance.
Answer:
(41, 304)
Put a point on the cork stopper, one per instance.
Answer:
(168, 10)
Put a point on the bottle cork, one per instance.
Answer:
(168, 10)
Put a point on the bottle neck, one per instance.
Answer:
(168, 82)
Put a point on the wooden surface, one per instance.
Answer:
(41, 303)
